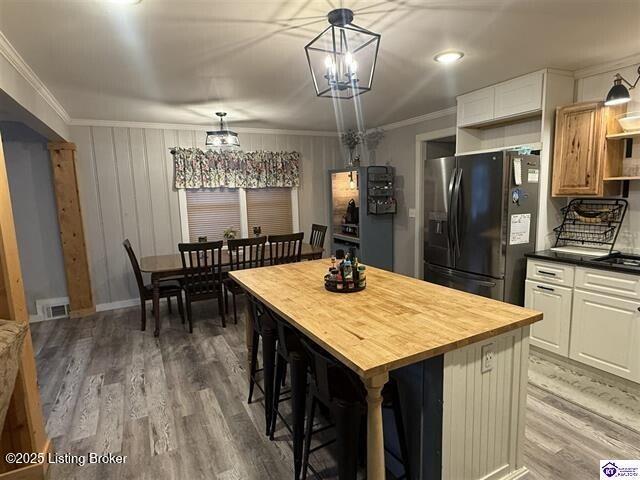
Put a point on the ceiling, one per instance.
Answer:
(171, 61)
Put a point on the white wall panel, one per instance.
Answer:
(126, 189)
(486, 442)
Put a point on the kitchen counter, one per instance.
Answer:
(431, 339)
(582, 261)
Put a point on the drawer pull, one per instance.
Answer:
(544, 272)
(549, 289)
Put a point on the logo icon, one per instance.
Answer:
(610, 469)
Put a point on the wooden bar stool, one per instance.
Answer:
(340, 391)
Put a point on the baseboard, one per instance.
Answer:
(38, 318)
(132, 302)
(522, 472)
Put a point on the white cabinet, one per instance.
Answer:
(550, 272)
(513, 98)
(519, 96)
(552, 332)
(476, 107)
(613, 283)
(605, 333)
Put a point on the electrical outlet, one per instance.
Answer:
(412, 213)
(488, 352)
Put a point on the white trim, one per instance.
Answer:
(23, 68)
(184, 218)
(295, 210)
(38, 318)
(132, 302)
(419, 206)
(244, 215)
(87, 122)
(422, 118)
(607, 67)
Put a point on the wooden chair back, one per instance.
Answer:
(285, 248)
(246, 252)
(202, 265)
(317, 235)
(135, 265)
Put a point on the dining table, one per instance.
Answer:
(168, 266)
(398, 322)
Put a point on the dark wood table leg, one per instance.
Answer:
(298, 399)
(156, 303)
(268, 365)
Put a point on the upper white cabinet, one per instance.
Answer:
(518, 96)
(476, 107)
(508, 99)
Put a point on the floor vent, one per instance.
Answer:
(53, 308)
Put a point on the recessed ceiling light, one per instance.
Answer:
(448, 57)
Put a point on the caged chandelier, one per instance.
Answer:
(343, 57)
(223, 137)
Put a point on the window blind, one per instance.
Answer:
(270, 208)
(211, 211)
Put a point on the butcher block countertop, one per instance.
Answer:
(394, 322)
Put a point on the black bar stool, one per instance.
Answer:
(263, 328)
(339, 390)
(290, 351)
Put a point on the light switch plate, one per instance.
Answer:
(412, 213)
(488, 356)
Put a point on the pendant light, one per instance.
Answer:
(619, 93)
(342, 58)
(223, 137)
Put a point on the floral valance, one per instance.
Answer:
(195, 168)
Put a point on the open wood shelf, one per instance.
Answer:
(613, 179)
(623, 135)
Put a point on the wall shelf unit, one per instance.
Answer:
(372, 235)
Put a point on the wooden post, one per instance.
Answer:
(23, 430)
(375, 435)
(76, 263)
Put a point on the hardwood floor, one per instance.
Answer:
(176, 406)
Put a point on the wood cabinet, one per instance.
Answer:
(552, 333)
(605, 333)
(581, 151)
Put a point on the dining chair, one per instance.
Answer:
(285, 248)
(202, 265)
(318, 233)
(243, 253)
(168, 288)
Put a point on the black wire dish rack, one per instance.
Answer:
(591, 222)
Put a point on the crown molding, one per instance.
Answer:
(607, 67)
(422, 118)
(16, 60)
(87, 122)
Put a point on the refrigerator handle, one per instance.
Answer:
(456, 220)
(450, 218)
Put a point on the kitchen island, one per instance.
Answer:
(460, 361)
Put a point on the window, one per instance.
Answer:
(271, 209)
(211, 212)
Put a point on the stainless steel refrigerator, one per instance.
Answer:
(480, 219)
